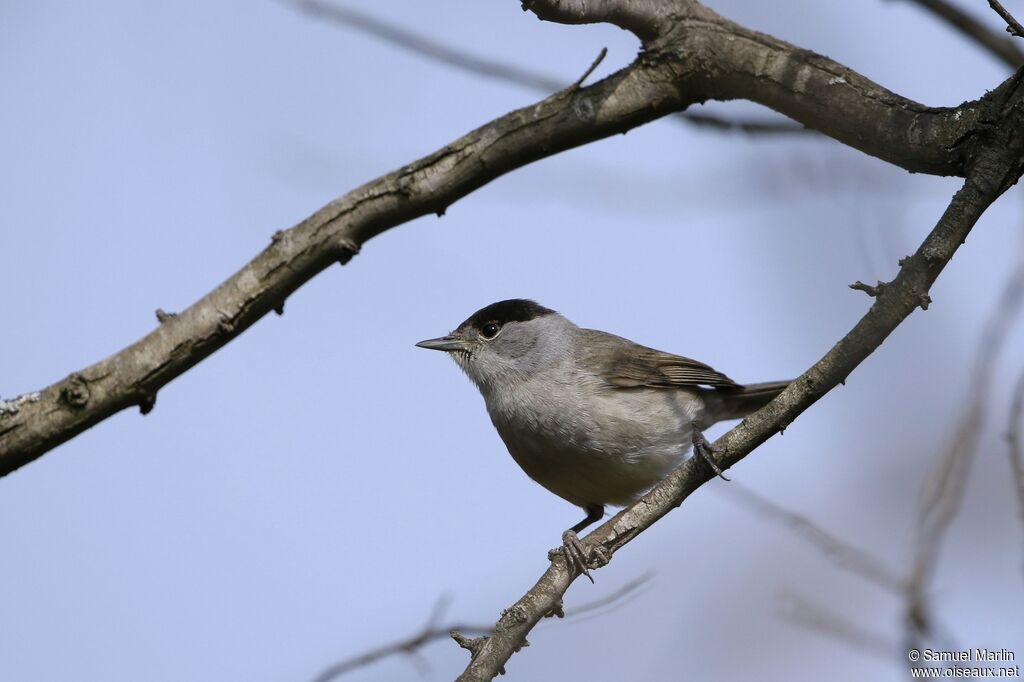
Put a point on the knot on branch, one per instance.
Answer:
(147, 402)
(872, 291)
(557, 610)
(347, 248)
(225, 325)
(76, 392)
(162, 315)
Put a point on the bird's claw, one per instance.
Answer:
(577, 556)
(704, 449)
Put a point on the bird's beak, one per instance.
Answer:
(445, 343)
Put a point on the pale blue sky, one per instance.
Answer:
(309, 491)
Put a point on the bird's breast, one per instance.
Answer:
(591, 444)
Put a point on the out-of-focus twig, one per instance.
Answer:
(1013, 26)
(818, 619)
(425, 46)
(486, 67)
(998, 45)
(942, 492)
(840, 553)
(433, 630)
(1013, 436)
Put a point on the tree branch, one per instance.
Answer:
(433, 631)
(891, 307)
(821, 621)
(1013, 26)
(1002, 47)
(997, 165)
(839, 552)
(943, 489)
(1014, 440)
(698, 56)
(425, 46)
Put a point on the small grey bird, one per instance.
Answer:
(593, 417)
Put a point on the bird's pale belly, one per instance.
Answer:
(592, 455)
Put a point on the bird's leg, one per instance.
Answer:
(704, 449)
(576, 554)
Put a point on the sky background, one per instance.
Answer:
(312, 489)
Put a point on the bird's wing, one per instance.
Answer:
(625, 364)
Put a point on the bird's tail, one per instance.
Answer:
(723, 404)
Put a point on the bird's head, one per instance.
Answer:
(505, 342)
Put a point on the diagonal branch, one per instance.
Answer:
(944, 486)
(433, 630)
(425, 46)
(819, 620)
(1002, 47)
(699, 56)
(841, 553)
(998, 166)
(891, 307)
(1013, 26)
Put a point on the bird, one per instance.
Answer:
(592, 417)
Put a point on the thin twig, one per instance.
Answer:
(1013, 436)
(942, 493)
(433, 631)
(780, 127)
(1013, 26)
(425, 46)
(840, 553)
(597, 62)
(1002, 47)
(818, 619)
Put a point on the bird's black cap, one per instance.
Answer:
(502, 312)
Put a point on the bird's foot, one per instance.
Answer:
(577, 556)
(705, 450)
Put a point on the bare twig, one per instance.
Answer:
(425, 46)
(433, 630)
(586, 74)
(840, 553)
(1013, 26)
(750, 127)
(868, 289)
(713, 58)
(1013, 436)
(1002, 47)
(819, 620)
(943, 489)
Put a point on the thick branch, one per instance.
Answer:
(736, 63)
(998, 166)
(335, 233)
(699, 55)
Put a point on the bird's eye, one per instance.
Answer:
(489, 330)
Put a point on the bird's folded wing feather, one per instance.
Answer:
(629, 365)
